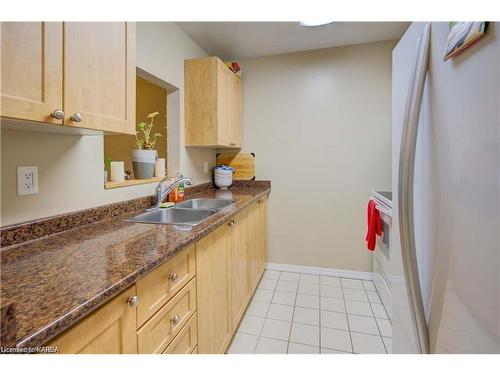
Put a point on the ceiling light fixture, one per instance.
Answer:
(315, 22)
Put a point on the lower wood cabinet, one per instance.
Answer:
(191, 304)
(258, 259)
(240, 241)
(212, 284)
(157, 287)
(109, 330)
(187, 339)
(160, 330)
(261, 236)
(229, 265)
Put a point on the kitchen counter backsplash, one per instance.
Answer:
(50, 283)
(31, 230)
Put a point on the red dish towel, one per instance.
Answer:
(374, 225)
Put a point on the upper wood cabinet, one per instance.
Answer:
(99, 75)
(213, 104)
(85, 70)
(31, 70)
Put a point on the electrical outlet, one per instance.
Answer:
(205, 166)
(27, 180)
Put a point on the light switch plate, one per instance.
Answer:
(27, 180)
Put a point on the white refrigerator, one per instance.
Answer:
(445, 255)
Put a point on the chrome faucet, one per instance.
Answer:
(162, 193)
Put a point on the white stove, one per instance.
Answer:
(382, 253)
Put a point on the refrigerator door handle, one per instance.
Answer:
(405, 191)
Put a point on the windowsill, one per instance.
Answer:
(114, 185)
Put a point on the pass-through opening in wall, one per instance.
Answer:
(151, 96)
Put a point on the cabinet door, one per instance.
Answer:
(239, 239)
(254, 216)
(31, 70)
(262, 235)
(109, 330)
(223, 105)
(99, 75)
(212, 278)
(200, 101)
(235, 111)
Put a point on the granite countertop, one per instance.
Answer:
(53, 282)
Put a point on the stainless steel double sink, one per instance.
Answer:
(188, 213)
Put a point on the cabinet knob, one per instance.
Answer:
(232, 144)
(133, 301)
(57, 114)
(173, 277)
(175, 320)
(231, 223)
(76, 117)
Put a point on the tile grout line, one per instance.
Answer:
(320, 325)
(347, 318)
(267, 312)
(333, 311)
(378, 328)
(293, 314)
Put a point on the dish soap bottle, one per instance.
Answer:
(180, 189)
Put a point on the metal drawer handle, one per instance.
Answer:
(133, 301)
(175, 320)
(173, 277)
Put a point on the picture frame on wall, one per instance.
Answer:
(462, 35)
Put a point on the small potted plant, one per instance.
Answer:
(144, 155)
(107, 167)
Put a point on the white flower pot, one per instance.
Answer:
(143, 162)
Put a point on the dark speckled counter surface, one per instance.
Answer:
(55, 281)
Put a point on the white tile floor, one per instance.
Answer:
(309, 314)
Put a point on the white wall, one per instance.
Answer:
(161, 50)
(70, 167)
(320, 125)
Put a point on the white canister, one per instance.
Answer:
(117, 171)
(160, 167)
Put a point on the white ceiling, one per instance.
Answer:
(242, 40)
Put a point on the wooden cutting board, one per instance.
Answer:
(243, 164)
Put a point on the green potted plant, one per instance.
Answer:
(107, 167)
(144, 155)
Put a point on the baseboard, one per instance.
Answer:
(320, 271)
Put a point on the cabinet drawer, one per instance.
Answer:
(156, 288)
(187, 340)
(159, 331)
